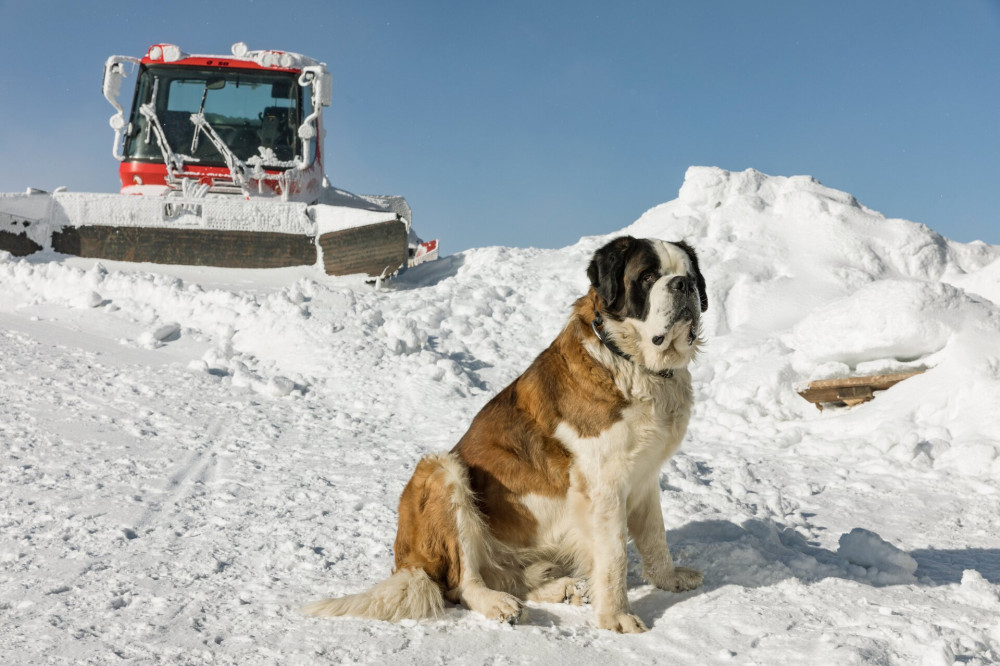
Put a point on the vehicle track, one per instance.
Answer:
(200, 468)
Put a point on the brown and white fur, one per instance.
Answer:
(537, 500)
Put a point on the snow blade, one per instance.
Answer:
(223, 231)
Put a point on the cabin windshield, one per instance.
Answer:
(255, 113)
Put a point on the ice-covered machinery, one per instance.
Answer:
(224, 155)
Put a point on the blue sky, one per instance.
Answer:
(534, 123)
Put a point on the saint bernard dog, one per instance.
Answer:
(538, 499)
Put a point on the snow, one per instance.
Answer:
(884, 561)
(190, 454)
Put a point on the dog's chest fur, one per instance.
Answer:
(608, 467)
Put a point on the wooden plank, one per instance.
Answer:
(373, 249)
(851, 390)
(194, 247)
(868, 380)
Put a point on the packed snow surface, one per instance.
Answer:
(190, 454)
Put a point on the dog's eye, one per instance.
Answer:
(648, 278)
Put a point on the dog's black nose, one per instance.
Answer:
(682, 283)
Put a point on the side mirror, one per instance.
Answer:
(111, 86)
(324, 89)
(317, 76)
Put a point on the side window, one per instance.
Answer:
(305, 108)
(136, 144)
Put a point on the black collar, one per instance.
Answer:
(598, 324)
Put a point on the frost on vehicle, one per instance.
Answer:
(224, 155)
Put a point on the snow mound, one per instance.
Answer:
(884, 562)
(806, 283)
(778, 248)
(890, 318)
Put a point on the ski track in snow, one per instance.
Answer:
(189, 455)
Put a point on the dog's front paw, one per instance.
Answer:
(623, 623)
(679, 579)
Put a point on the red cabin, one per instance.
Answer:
(249, 123)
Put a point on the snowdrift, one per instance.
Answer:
(809, 284)
(189, 454)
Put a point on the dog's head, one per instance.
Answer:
(651, 296)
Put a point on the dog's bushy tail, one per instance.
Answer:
(407, 594)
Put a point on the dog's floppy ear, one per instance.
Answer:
(607, 271)
(698, 278)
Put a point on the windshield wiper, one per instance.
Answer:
(201, 112)
(238, 169)
(170, 160)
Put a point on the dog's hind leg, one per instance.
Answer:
(547, 583)
(477, 552)
(493, 604)
(442, 531)
(561, 590)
